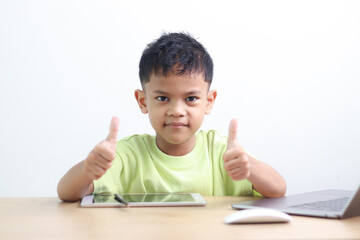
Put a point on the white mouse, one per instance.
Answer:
(258, 215)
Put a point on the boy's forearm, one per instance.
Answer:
(75, 184)
(266, 180)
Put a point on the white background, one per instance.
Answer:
(289, 71)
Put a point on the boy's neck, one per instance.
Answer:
(180, 149)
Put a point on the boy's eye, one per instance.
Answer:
(162, 99)
(191, 99)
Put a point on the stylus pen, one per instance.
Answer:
(120, 199)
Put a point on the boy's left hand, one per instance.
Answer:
(236, 160)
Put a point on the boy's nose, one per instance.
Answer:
(176, 109)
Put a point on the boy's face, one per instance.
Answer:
(176, 105)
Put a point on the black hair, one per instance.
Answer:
(160, 56)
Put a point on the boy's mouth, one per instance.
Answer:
(175, 124)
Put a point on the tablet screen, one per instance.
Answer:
(104, 199)
(145, 199)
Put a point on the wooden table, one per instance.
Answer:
(49, 218)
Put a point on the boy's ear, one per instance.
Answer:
(140, 98)
(210, 101)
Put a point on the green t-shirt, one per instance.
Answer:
(141, 167)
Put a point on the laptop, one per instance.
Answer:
(326, 204)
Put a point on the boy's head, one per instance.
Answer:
(175, 73)
(178, 53)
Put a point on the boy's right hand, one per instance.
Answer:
(100, 158)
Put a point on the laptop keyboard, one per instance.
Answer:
(330, 205)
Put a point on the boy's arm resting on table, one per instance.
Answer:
(78, 181)
(75, 184)
(241, 165)
(265, 179)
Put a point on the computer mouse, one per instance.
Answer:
(258, 215)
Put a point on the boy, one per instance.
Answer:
(175, 73)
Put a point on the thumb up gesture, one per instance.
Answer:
(236, 161)
(100, 158)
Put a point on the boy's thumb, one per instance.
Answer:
(232, 137)
(113, 132)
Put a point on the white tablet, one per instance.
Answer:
(145, 200)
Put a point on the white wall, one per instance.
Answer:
(288, 70)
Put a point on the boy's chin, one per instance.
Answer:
(176, 139)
